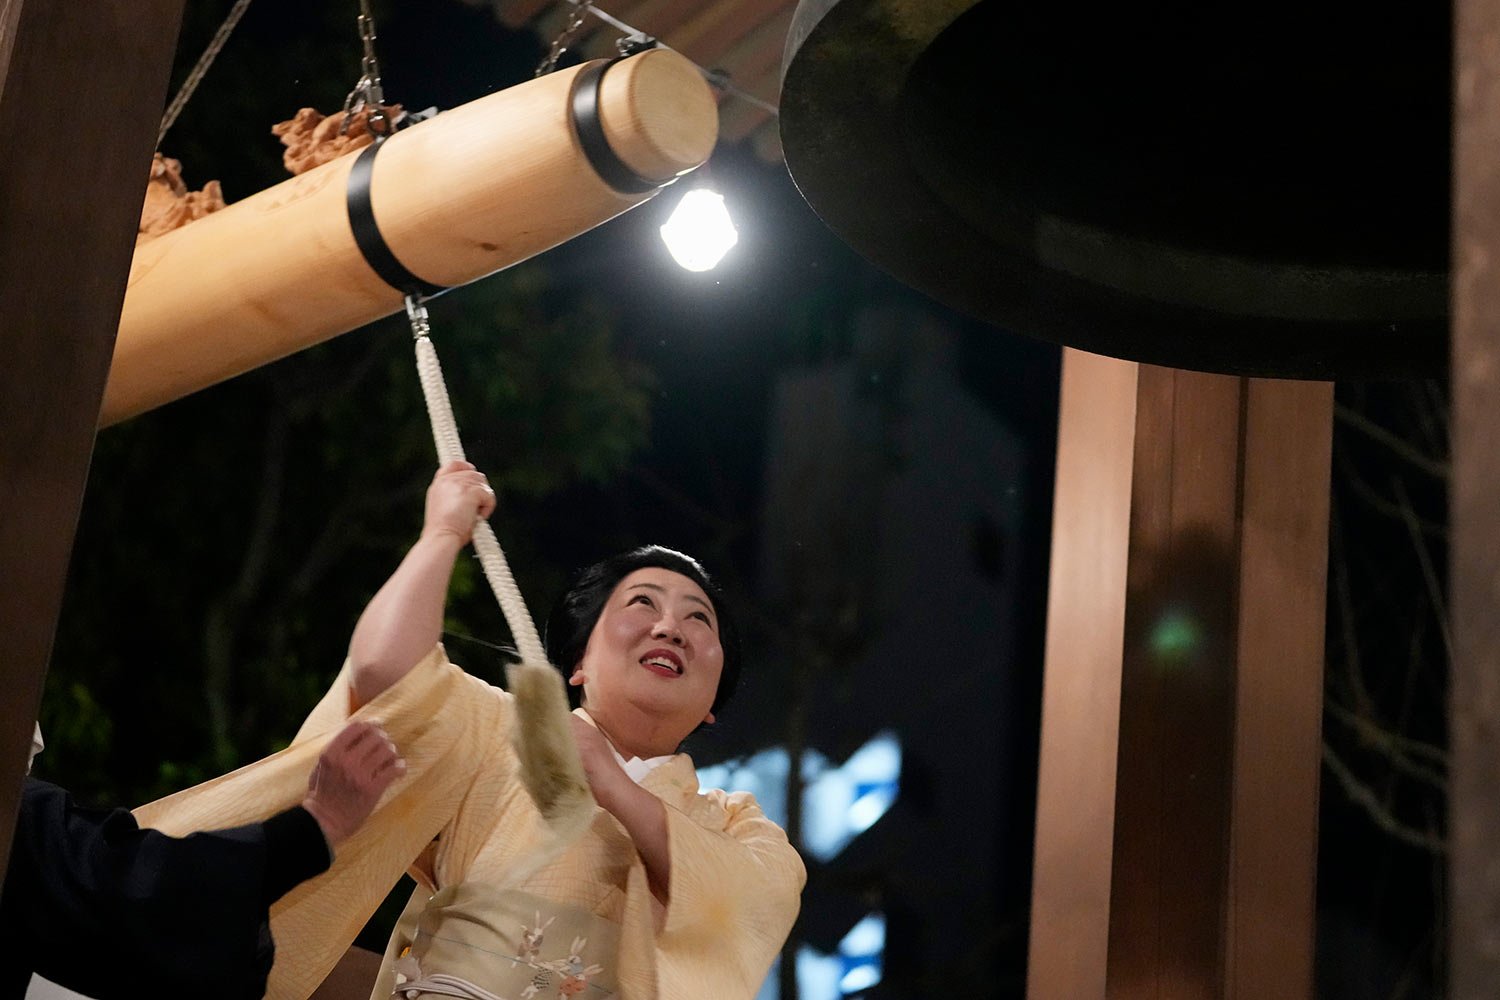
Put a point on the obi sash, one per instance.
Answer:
(479, 943)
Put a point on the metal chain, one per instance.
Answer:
(560, 43)
(189, 85)
(635, 40)
(367, 92)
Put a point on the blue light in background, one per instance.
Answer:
(857, 965)
(838, 804)
(818, 975)
(861, 953)
(763, 775)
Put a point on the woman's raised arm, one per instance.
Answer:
(404, 620)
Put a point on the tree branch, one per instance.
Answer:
(1363, 797)
(1395, 443)
(1396, 748)
(1429, 572)
(1364, 491)
(1352, 669)
(222, 623)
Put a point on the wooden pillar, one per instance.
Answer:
(1075, 802)
(80, 99)
(1181, 728)
(1474, 808)
(1271, 914)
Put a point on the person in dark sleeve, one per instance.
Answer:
(99, 906)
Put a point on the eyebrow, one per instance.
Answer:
(663, 590)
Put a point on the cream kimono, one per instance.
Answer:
(735, 880)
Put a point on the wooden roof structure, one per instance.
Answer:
(743, 38)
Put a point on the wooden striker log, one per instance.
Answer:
(474, 190)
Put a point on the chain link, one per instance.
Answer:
(560, 43)
(195, 77)
(367, 92)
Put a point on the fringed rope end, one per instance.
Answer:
(543, 739)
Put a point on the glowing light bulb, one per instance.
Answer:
(700, 232)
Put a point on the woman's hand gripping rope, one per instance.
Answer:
(459, 497)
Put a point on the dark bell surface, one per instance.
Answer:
(1256, 190)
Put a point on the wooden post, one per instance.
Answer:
(1176, 689)
(1278, 743)
(80, 101)
(1474, 809)
(1181, 727)
(1075, 802)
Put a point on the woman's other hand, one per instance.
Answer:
(607, 779)
(639, 812)
(459, 496)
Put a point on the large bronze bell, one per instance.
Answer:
(1254, 189)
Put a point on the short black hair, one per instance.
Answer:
(573, 617)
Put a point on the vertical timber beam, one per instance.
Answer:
(80, 99)
(1278, 718)
(1075, 807)
(1176, 818)
(1278, 743)
(1474, 808)
(1177, 692)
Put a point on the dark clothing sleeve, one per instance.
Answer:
(96, 904)
(296, 851)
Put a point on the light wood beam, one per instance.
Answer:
(1081, 693)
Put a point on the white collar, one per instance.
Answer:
(36, 746)
(635, 768)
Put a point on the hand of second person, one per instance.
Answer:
(605, 775)
(356, 767)
(459, 496)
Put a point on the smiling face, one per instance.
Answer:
(652, 665)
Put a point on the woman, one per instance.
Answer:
(667, 891)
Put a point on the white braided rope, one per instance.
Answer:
(486, 545)
(551, 768)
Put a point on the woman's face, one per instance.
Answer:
(653, 657)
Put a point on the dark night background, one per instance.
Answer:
(868, 473)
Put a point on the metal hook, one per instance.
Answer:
(416, 315)
(629, 45)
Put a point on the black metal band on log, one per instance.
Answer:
(367, 235)
(583, 115)
(583, 112)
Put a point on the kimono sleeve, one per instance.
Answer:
(736, 892)
(441, 721)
